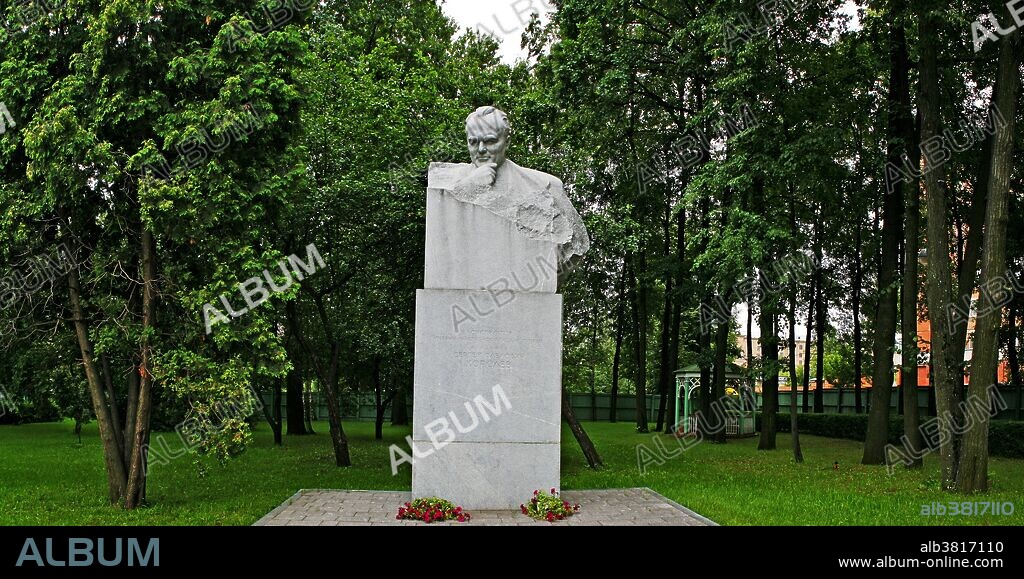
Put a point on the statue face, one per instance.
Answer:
(486, 145)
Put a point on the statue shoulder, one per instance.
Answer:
(539, 178)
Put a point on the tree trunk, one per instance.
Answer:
(115, 418)
(1013, 354)
(911, 293)
(794, 429)
(704, 359)
(908, 386)
(400, 407)
(665, 366)
(892, 230)
(339, 440)
(769, 372)
(620, 322)
(135, 489)
(309, 406)
(131, 408)
(378, 401)
(972, 475)
(751, 380)
(899, 294)
(593, 360)
(639, 305)
(719, 436)
(586, 445)
(273, 414)
(932, 404)
(329, 378)
(293, 382)
(967, 273)
(812, 298)
(677, 313)
(858, 335)
(293, 394)
(822, 324)
(113, 455)
(946, 377)
(706, 364)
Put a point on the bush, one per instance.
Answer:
(1006, 437)
(28, 409)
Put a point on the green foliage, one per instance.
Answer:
(408, 84)
(352, 101)
(44, 383)
(70, 395)
(839, 361)
(119, 89)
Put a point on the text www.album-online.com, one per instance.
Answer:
(944, 562)
(946, 554)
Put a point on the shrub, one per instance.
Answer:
(1005, 437)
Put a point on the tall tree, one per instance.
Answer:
(946, 376)
(822, 324)
(911, 292)
(638, 302)
(858, 347)
(666, 365)
(770, 372)
(794, 284)
(620, 324)
(892, 229)
(811, 297)
(972, 474)
(144, 118)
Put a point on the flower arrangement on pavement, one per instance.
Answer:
(432, 510)
(548, 507)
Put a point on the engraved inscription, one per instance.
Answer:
(480, 359)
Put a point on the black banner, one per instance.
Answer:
(65, 551)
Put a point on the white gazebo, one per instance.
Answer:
(738, 408)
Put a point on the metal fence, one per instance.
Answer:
(597, 407)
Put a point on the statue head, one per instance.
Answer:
(487, 135)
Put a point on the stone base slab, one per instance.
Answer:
(609, 507)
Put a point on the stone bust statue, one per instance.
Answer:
(533, 201)
(499, 241)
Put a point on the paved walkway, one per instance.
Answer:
(614, 507)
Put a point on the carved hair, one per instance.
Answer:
(489, 118)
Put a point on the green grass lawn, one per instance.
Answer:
(47, 478)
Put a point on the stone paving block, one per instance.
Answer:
(614, 507)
